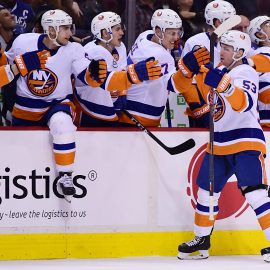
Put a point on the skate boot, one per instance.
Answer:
(198, 243)
(66, 184)
(265, 252)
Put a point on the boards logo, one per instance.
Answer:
(41, 82)
(38, 185)
(231, 202)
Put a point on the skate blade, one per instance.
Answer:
(68, 198)
(266, 258)
(203, 254)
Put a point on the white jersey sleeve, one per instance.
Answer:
(22, 44)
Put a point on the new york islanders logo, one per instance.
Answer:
(231, 202)
(41, 82)
(219, 107)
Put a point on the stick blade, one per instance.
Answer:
(185, 146)
(227, 25)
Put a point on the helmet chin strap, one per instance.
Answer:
(160, 39)
(234, 61)
(54, 39)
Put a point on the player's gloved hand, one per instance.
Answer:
(98, 70)
(143, 71)
(31, 61)
(191, 62)
(218, 79)
(120, 103)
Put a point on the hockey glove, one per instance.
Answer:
(143, 71)
(31, 61)
(98, 70)
(191, 62)
(218, 79)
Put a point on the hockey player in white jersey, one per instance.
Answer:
(147, 101)
(239, 143)
(216, 12)
(259, 32)
(98, 107)
(44, 90)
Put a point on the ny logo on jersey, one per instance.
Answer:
(42, 82)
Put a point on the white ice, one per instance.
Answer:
(141, 263)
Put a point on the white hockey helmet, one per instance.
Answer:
(221, 10)
(104, 20)
(238, 40)
(255, 27)
(55, 18)
(165, 18)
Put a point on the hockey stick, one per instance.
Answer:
(224, 27)
(190, 143)
(168, 112)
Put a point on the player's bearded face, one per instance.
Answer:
(170, 37)
(226, 55)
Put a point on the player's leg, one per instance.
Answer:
(251, 177)
(63, 130)
(203, 226)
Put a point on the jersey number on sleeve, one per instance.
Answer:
(248, 85)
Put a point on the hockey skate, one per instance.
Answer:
(66, 184)
(198, 243)
(265, 252)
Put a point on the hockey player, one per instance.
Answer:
(239, 143)
(259, 32)
(216, 12)
(44, 89)
(99, 107)
(147, 101)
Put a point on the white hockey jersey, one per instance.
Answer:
(236, 126)
(147, 100)
(264, 91)
(42, 88)
(97, 102)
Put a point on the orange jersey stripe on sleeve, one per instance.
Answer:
(238, 100)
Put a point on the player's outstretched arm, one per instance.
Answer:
(135, 74)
